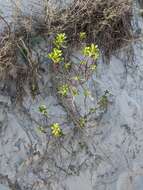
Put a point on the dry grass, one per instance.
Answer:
(10, 69)
(107, 23)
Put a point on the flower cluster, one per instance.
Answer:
(56, 130)
(56, 55)
(60, 40)
(91, 51)
(63, 90)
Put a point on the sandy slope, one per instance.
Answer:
(111, 155)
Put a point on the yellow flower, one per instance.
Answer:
(56, 55)
(82, 35)
(63, 90)
(60, 40)
(91, 51)
(56, 130)
(82, 122)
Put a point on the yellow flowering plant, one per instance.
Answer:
(56, 55)
(60, 40)
(82, 35)
(63, 90)
(56, 130)
(91, 51)
(82, 122)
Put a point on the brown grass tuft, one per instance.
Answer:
(108, 23)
